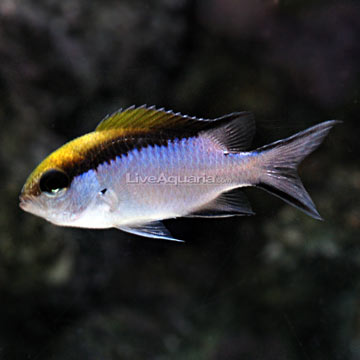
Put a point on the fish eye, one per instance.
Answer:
(53, 181)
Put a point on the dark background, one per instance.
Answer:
(279, 285)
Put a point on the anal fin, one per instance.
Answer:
(231, 203)
(154, 230)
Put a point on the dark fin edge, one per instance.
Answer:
(308, 207)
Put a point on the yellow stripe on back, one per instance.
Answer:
(71, 155)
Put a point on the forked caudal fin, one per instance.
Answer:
(279, 162)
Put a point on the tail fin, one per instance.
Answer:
(280, 160)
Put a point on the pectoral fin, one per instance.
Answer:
(154, 230)
(109, 197)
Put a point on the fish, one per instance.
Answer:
(143, 165)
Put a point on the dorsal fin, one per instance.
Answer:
(149, 119)
(235, 135)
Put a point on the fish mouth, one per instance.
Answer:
(22, 205)
(24, 202)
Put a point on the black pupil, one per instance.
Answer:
(53, 181)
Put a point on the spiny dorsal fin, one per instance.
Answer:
(150, 119)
